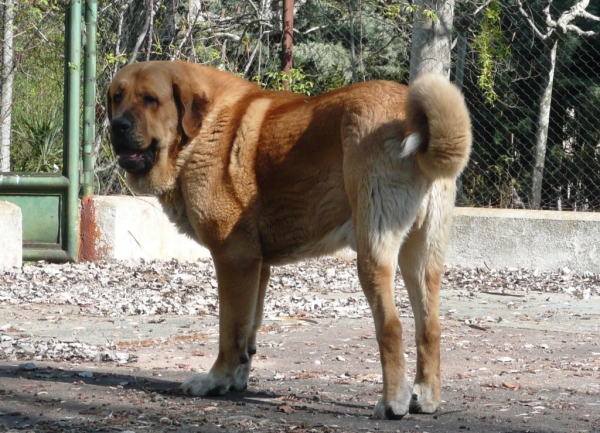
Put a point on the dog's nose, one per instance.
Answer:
(120, 124)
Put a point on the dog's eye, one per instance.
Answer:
(150, 100)
(117, 99)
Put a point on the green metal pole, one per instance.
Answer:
(29, 181)
(89, 97)
(71, 127)
(66, 187)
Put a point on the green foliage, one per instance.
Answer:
(41, 138)
(113, 60)
(492, 47)
(392, 11)
(297, 81)
(333, 70)
(38, 87)
(358, 41)
(431, 15)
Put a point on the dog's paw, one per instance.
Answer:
(390, 410)
(395, 408)
(422, 400)
(206, 385)
(240, 379)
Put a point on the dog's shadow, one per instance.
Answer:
(30, 393)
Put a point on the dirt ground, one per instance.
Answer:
(511, 362)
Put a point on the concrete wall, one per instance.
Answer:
(518, 238)
(11, 235)
(132, 228)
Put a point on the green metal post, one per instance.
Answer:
(71, 127)
(50, 202)
(89, 97)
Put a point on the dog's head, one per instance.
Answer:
(155, 109)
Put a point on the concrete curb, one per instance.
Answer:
(11, 235)
(544, 240)
(132, 228)
(136, 227)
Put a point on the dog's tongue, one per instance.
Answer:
(130, 154)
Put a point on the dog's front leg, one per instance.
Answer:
(265, 274)
(239, 282)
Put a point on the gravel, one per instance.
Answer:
(306, 289)
(154, 288)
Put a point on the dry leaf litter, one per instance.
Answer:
(154, 288)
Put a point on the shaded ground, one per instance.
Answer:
(513, 360)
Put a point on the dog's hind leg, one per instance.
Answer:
(383, 214)
(239, 281)
(421, 261)
(376, 274)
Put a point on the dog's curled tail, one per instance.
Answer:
(438, 118)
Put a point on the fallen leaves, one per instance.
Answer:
(286, 408)
(512, 386)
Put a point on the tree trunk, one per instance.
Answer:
(541, 136)
(431, 38)
(287, 27)
(461, 56)
(6, 93)
(352, 47)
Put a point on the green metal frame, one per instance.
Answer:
(89, 97)
(21, 187)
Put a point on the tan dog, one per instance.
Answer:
(263, 178)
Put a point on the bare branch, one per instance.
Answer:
(140, 39)
(584, 34)
(532, 23)
(482, 7)
(314, 29)
(579, 10)
(121, 15)
(576, 11)
(231, 36)
(146, 31)
(150, 29)
(551, 23)
(251, 3)
(251, 59)
(589, 16)
(465, 21)
(187, 35)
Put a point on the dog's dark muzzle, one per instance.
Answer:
(129, 148)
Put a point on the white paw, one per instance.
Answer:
(206, 385)
(396, 408)
(240, 379)
(422, 400)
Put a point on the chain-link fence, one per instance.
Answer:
(504, 55)
(534, 94)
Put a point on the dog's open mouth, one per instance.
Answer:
(137, 160)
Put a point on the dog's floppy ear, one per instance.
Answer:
(192, 105)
